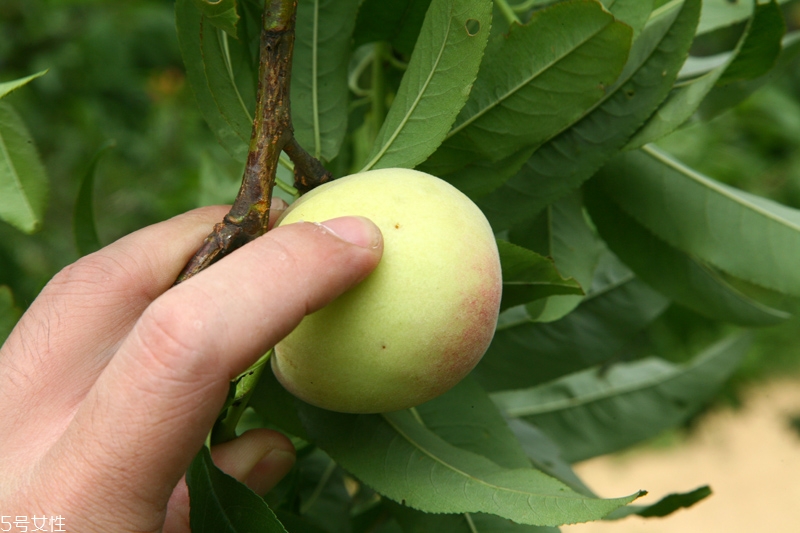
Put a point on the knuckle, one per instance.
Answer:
(94, 273)
(171, 339)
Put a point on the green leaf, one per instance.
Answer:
(210, 79)
(747, 236)
(436, 83)
(221, 13)
(721, 13)
(413, 521)
(276, 405)
(663, 507)
(467, 418)
(596, 411)
(479, 177)
(528, 276)
(221, 504)
(723, 98)
(760, 42)
(634, 13)
(9, 313)
(525, 353)
(10, 86)
(546, 455)
(570, 158)
(674, 273)
(575, 45)
(758, 58)
(561, 233)
(83, 221)
(397, 456)
(23, 179)
(395, 21)
(319, 92)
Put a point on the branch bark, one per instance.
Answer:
(272, 133)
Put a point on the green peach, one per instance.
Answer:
(421, 321)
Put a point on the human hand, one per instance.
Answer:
(112, 380)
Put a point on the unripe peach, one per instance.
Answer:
(421, 321)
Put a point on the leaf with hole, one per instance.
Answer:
(436, 83)
(571, 157)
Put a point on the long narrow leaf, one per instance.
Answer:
(759, 44)
(723, 98)
(319, 74)
(678, 275)
(570, 158)
(561, 233)
(435, 85)
(575, 44)
(467, 418)
(528, 276)
(525, 353)
(413, 521)
(721, 13)
(189, 22)
(10, 86)
(596, 412)
(665, 506)
(23, 180)
(397, 456)
(745, 235)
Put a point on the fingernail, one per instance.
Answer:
(355, 230)
(270, 470)
(278, 204)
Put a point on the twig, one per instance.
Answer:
(272, 133)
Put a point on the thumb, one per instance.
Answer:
(154, 403)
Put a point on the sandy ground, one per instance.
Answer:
(750, 458)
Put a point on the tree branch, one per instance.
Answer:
(272, 130)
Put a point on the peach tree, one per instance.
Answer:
(547, 115)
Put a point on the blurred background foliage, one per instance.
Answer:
(115, 72)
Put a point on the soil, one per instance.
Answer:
(749, 456)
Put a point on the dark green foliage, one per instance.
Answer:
(636, 240)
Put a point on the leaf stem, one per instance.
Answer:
(225, 428)
(507, 12)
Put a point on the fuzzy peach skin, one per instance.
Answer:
(421, 321)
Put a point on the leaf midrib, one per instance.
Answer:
(422, 91)
(710, 184)
(314, 83)
(449, 466)
(572, 403)
(526, 82)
